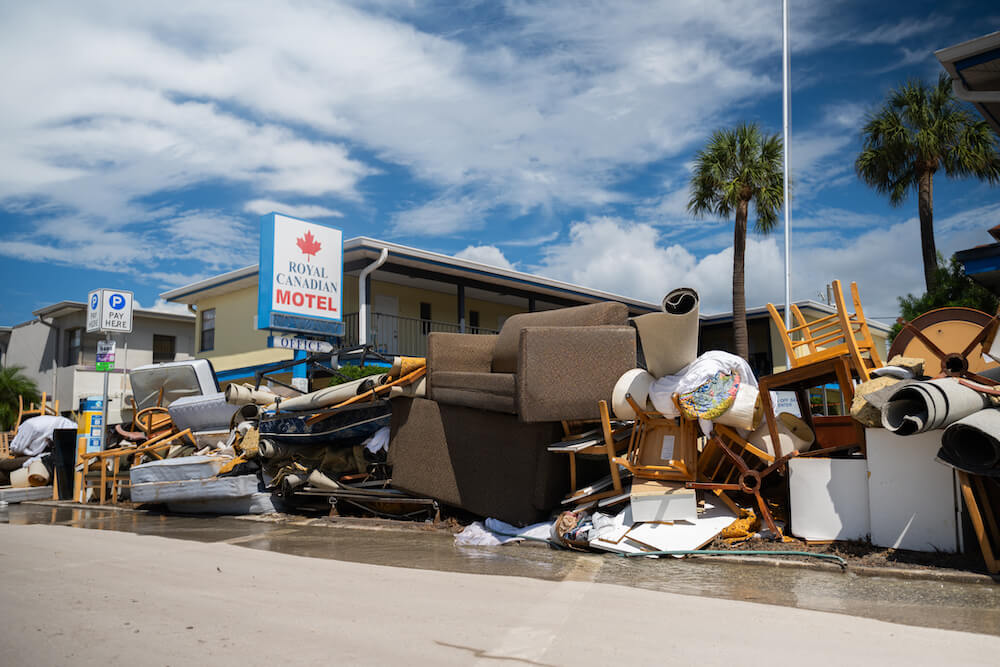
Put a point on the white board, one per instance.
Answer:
(829, 498)
(912, 498)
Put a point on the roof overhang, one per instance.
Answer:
(361, 251)
(64, 308)
(761, 312)
(974, 67)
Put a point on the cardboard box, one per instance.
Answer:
(663, 501)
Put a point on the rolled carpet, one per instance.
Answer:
(915, 407)
(669, 340)
(972, 444)
(333, 395)
(38, 474)
(634, 383)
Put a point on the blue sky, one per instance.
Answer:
(142, 141)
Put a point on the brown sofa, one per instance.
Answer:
(496, 402)
(544, 366)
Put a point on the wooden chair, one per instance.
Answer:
(733, 464)
(603, 443)
(661, 448)
(840, 334)
(115, 479)
(33, 411)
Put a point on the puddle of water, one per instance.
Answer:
(969, 607)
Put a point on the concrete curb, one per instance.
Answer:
(941, 575)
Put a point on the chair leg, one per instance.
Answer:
(609, 444)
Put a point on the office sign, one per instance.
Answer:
(301, 276)
(300, 344)
(109, 310)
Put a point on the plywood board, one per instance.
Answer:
(912, 498)
(681, 536)
(829, 498)
(663, 501)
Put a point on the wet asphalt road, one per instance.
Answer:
(944, 605)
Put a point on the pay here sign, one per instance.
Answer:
(301, 276)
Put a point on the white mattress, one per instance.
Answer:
(210, 412)
(176, 470)
(195, 489)
(11, 495)
(258, 503)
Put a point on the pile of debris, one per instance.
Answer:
(592, 430)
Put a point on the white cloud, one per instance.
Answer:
(442, 217)
(307, 211)
(893, 33)
(633, 259)
(486, 254)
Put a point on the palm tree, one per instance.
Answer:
(737, 167)
(918, 130)
(13, 384)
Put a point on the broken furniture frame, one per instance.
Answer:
(984, 522)
(831, 336)
(682, 464)
(828, 371)
(155, 447)
(362, 352)
(747, 479)
(588, 444)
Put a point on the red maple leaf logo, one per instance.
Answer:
(308, 245)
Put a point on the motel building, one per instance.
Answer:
(405, 293)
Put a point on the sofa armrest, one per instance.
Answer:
(563, 372)
(471, 353)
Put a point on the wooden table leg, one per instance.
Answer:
(772, 422)
(992, 565)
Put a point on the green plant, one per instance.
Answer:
(350, 373)
(920, 129)
(951, 288)
(739, 167)
(13, 383)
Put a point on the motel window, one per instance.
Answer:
(164, 348)
(207, 330)
(74, 345)
(474, 320)
(425, 317)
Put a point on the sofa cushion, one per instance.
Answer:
(506, 349)
(486, 391)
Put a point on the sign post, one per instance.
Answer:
(300, 285)
(108, 311)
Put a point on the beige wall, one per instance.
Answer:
(238, 343)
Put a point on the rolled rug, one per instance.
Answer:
(333, 395)
(794, 434)
(746, 410)
(915, 407)
(243, 394)
(38, 474)
(416, 389)
(636, 383)
(405, 365)
(669, 340)
(972, 444)
(270, 449)
(19, 478)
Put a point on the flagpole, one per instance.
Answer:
(786, 107)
